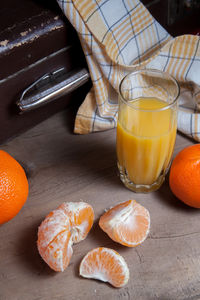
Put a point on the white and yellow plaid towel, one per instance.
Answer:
(119, 36)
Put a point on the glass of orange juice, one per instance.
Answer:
(146, 128)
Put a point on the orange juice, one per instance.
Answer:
(146, 133)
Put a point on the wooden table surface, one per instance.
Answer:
(62, 167)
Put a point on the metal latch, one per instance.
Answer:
(50, 87)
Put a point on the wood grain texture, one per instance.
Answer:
(62, 167)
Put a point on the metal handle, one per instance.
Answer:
(50, 87)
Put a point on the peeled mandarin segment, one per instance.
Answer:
(59, 252)
(127, 223)
(106, 265)
(54, 238)
(81, 217)
(54, 223)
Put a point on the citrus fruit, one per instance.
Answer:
(127, 223)
(13, 187)
(69, 223)
(106, 265)
(184, 176)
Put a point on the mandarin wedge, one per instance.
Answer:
(106, 265)
(81, 217)
(127, 223)
(69, 223)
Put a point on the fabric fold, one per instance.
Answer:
(119, 36)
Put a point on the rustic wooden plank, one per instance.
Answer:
(61, 167)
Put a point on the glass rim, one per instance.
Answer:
(152, 71)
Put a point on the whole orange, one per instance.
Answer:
(13, 187)
(184, 177)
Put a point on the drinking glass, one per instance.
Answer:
(146, 128)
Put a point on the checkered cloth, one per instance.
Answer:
(119, 36)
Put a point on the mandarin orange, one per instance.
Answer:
(127, 223)
(184, 176)
(13, 187)
(69, 223)
(106, 265)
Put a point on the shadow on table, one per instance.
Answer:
(171, 200)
